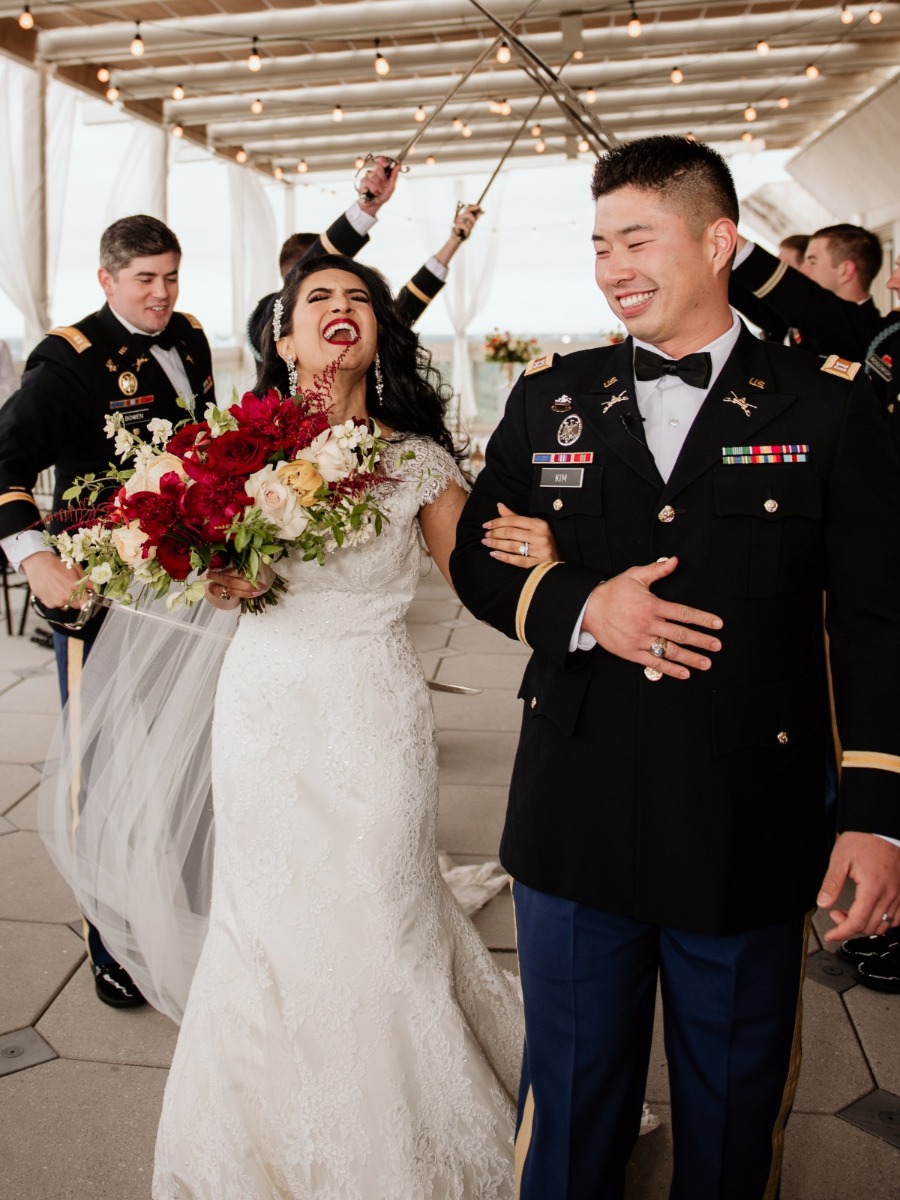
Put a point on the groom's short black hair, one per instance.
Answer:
(693, 177)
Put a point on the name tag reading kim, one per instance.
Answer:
(562, 476)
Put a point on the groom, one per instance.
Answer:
(666, 817)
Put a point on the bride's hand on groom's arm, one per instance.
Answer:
(519, 541)
(226, 588)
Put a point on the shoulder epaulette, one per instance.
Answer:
(73, 336)
(542, 363)
(192, 320)
(842, 367)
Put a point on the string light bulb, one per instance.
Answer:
(359, 163)
(812, 71)
(257, 106)
(241, 156)
(749, 113)
(382, 66)
(540, 146)
(254, 62)
(467, 131)
(784, 102)
(337, 113)
(177, 131)
(302, 167)
(103, 74)
(26, 20)
(590, 96)
(419, 114)
(762, 48)
(690, 137)
(535, 131)
(430, 160)
(504, 54)
(578, 55)
(137, 42)
(746, 136)
(278, 172)
(112, 93)
(634, 23)
(584, 145)
(457, 123)
(177, 92)
(875, 17)
(846, 15)
(677, 75)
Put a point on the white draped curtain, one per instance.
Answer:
(466, 292)
(142, 178)
(254, 248)
(33, 192)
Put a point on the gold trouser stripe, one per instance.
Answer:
(11, 497)
(417, 291)
(790, 1086)
(773, 279)
(523, 1139)
(835, 734)
(74, 664)
(872, 758)
(329, 244)
(527, 595)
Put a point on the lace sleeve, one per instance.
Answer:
(432, 468)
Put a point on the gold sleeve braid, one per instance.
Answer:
(418, 293)
(11, 497)
(773, 279)
(527, 595)
(871, 758)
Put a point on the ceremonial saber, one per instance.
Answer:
(398, 159)
(584, 121)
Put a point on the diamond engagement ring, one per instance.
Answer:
(888, 919)
(523, 549)
(658, 647)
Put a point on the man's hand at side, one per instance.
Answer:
(625, 617)
(874, 866)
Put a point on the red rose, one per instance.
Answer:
(236, 453)
(209, 507)
(174, 556)
(156, 514)
(192, 435)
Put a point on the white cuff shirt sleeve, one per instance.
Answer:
(361, 221)
(438, 268)
(885, 838)
(743, 254)
(579, 639)
(18, 546)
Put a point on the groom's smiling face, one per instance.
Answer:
(333, 315)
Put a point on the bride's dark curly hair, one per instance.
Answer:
(415, 397)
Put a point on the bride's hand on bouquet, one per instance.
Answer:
(519, 541)
(227, 587)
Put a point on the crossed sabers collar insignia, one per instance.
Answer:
(608, 404)
(741, 401)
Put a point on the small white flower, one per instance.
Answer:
(101, 574)
(124, 442)
(219, 420)
(160, 430)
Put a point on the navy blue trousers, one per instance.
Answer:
(732, 1035)
(70, 657)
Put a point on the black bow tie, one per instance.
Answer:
(143, 341)
(695, 369)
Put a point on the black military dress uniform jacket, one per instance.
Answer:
(827, 324)
(697, 804)
(73, 379)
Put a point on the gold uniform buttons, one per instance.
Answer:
(666, 514)
(771, 506)
(557, 504)
(782, 738)
(534, 701)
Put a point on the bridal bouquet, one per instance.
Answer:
(246, 485)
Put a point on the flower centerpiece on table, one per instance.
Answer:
(504, 348)
(244, 486)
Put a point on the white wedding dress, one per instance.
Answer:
(347, 1034)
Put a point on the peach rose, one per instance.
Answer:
(129, 541)
(302, 478)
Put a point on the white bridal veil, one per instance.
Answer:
(135, 739)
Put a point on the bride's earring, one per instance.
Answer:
(292, 374)
(379, 379)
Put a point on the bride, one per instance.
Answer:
(346, 1034)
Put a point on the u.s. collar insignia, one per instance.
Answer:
(607, 404)
(609, 382)
(570, 430)
(128, 384)
(757, 383)
(562, 404)
(123, 349)
(741, 401)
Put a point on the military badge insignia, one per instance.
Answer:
(187, 358)
(609, 382)
(608, 404)
(139, 361)
(733, 456)
(741, 401)
(111, 366)
(541, 363)
(123, 349)
(562, 404)
(570, 430)
(757, 383)
(128, 384)
(840, 366)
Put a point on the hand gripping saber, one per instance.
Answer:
(397, 160)
(583, 121)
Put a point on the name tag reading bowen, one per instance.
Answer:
(562, 476)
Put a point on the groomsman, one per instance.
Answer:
(665, 820)
(135, 356)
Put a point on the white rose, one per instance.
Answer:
(277, 502)
(149, 473)
(329, 457)
(128, 541)
(101, 574)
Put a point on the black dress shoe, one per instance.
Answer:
(116, 987)
(861, 949)
(882, 973)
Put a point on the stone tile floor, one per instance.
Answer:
(81, 1084)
